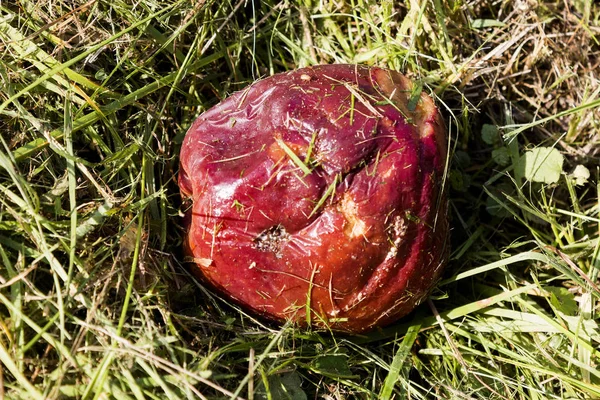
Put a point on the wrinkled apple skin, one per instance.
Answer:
(352, 233)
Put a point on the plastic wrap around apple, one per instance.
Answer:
(318, 196)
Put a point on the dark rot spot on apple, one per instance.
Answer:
(317, 195)
(272, 240)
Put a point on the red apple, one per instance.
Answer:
(318, 196)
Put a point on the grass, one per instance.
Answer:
(95, 98)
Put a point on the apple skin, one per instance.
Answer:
(352, 233)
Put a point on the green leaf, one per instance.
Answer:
(489, 134)
(461, 159)
(563, 300)
(501, 156)
(580, 175)
(486, 23)
(542, 164)
(333, 365)
(494, 208)
(459, 181)
(284, 386)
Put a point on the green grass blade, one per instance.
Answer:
(399, 360)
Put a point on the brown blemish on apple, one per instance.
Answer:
(355, 227)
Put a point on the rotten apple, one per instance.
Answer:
(317, 196)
